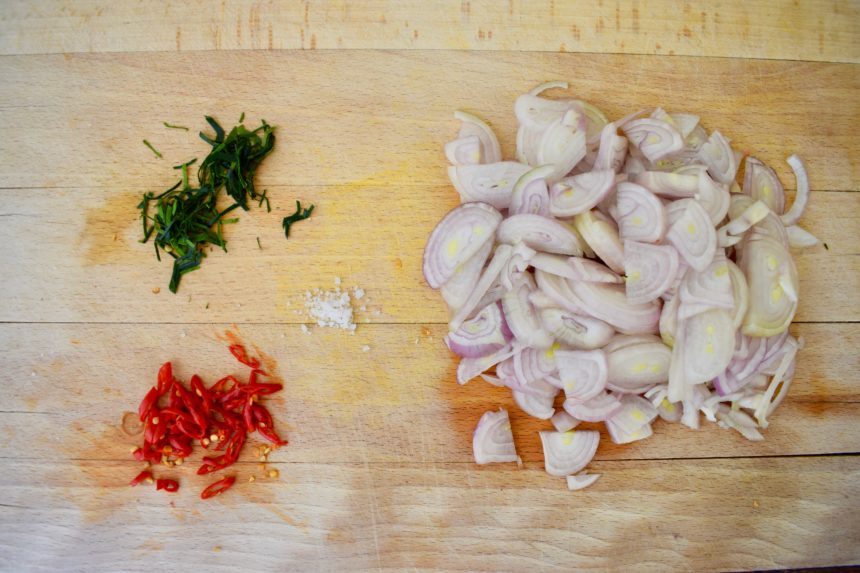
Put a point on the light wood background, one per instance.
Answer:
(378, 474)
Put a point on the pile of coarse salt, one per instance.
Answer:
(332, 308)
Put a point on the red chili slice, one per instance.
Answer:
(190, 429)
(228, 410)
(222, 441)
(182, 449)
(262, 389)
(211, 465)
(147, 403)
(234, 446)
(247, 414)
(263, 416)
(169, 413)
(167, 485)
(252, 377)
(202, 393)
(231, 395)
(174, 399)
(221, 385)
(218, 487)
(272, 436)
(237, 403)
(242, 356)
(144, 475)
(150, 428)
(159, 428)
(228, 419)
(165, 377)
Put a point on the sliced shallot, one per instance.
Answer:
(471, 367)
(596, 409)
(575, 330)
(464, 150)
(650, 270)
(574, 268)
(583, 373)
(531, 269)
(473, 126)
(692, 233)
(480, 335)
(773, 287)
(521, 316)
(762, 184)
(602, 236)
(460, 234)
(632, 421)
(612, 151)
(541, 233)
(562, 145)
(491, 183)
(718, 155)
(535, 405)
(654, 138)
(581, 480)
(457, 289)
(579, 193)
(493, 440)
(714, 197)
(640, 215)
(530, 194)
(793, 215)
(709, 343)
(609, 303)
(500, 259)
(637, 367)
(563, 422)
(669, 185)
(566, 453)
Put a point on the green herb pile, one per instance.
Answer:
(186, 218)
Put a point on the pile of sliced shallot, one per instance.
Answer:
(619, 263)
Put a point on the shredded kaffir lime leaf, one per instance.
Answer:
(186, 218)
(299, 215)
(153, 149)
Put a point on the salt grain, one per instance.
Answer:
(365, 348)
(331, 308)
(358, 293)
(305, 329)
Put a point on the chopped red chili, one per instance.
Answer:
(142, 476)
(272, 436)
(202, 393)
(165, 377)
(248, 416)
(219, 418)
(242, 356)
(252, 377)
(218, 487)
(189, 428)
(234, 446)
(147, 403)
(262, 389)
(167, 485)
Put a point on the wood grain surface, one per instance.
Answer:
(378, 475)
(815, 30)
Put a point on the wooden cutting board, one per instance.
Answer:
(378, 474)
